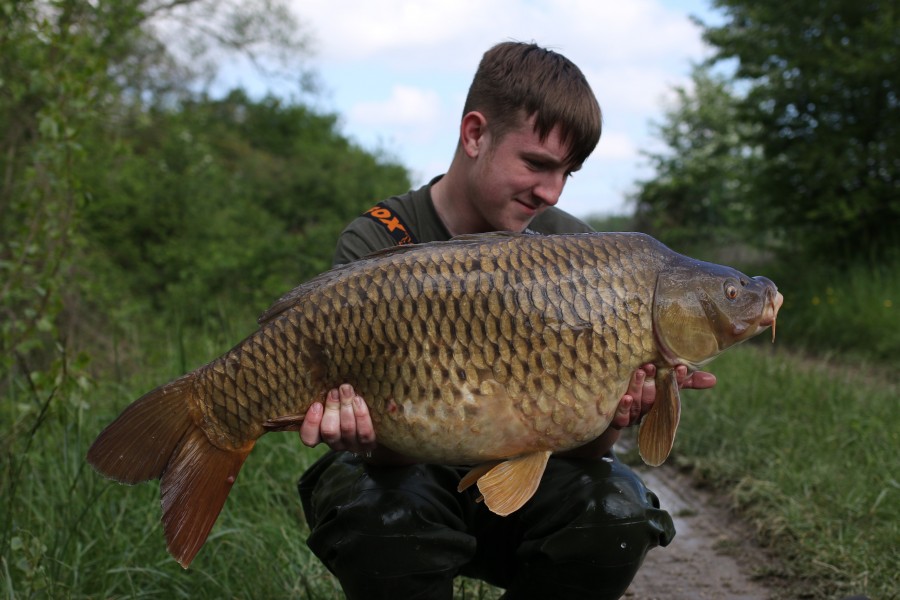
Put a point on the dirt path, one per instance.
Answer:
(710, 557)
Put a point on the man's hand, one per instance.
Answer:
(641, 394)
(343, 422)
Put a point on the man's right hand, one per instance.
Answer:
(343, 422)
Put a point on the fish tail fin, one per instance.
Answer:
(157, 438)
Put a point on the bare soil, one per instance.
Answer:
(712, 555)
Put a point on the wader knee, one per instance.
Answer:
(606, 521)
(386, 533)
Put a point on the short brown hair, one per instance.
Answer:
(514, 77)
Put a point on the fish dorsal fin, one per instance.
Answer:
(485, 237)
(657, 432)
(505, 487)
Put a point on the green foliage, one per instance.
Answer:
(53, 87)
(229, 200)
(823, 91)
(611, 223)
(849, 312)
(796, 151)
(805, 452)
(126, 198)
(702, 180)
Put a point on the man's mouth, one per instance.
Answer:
(528, 206)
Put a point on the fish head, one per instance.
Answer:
(701, 309)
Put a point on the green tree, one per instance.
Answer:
(224, 201)
(54, 88)
(123, 189)
(71, 72)
(823, 88)
(703, 176)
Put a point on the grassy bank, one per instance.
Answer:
(851, 312)
(807, 452)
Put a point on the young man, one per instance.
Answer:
(390, 528)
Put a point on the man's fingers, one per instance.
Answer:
(701, 380)
(636, 384)
(365, 431)
(348, 418)
(330, 429)
(309, 430)
(698, 380)
(622, 418)
(646, 397)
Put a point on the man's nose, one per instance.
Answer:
(550, 187)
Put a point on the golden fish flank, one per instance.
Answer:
(491, 350)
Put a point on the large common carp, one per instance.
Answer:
(492, 350)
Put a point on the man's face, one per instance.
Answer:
(518, 177)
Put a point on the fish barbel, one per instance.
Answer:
(492, 350)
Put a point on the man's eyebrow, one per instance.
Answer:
(544, 158)
(548, 160)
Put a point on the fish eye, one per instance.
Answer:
(731, 291)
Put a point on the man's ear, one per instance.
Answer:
(473, 133)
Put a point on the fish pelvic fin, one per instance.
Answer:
(284, 423)
(156, 437)
(472, 477)
(656, 435)
(506, 486)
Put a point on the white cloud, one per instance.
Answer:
(406, 106)
(615, 145)
(398, 70)
(349, 30)
(412, 115)
(439, 33)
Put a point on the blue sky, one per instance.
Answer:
(397, 71)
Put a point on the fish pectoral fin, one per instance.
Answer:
(505, 487)
(656, 435)
(284, 423)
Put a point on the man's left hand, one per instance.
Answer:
(641, 394)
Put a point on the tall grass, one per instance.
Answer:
(808, 452)
(69, 533)
(849, 311)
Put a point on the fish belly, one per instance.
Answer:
(477, 353)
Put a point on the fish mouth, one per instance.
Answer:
(770, 311)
